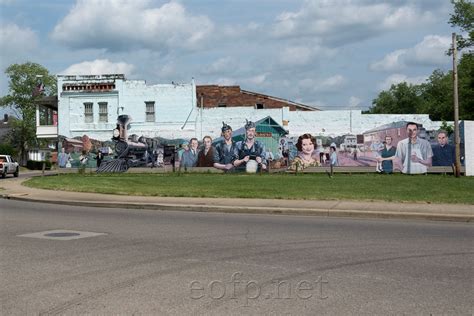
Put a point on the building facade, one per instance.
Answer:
(91, 104)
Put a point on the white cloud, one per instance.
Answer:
(407, 15)
(431, 51)
(16, 41)
(230, 32)
(224, 64)
(256, 80)
(398, 78)
(98, 67)
(330, 84)
(296, 55)
(390, 62)
(168, 70)
(131, 24)
(307, 84)
(354, 102)
(227, 82)
(355, 20)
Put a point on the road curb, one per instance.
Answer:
(253, 210)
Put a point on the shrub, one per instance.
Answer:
(38, 165)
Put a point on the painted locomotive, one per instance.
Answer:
(129, 151)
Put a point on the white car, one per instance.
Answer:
(8, 166)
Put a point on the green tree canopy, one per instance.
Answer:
(434, 97)
(466, 86)
(402, 98)
(437, 96)
(23, 91)
(463, 18)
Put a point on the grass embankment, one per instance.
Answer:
(399, 188)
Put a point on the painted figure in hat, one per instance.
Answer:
(225, 150)
(251, 152)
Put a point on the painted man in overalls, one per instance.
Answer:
(250, 149)
(225, 150)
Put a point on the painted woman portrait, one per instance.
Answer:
(305, 158)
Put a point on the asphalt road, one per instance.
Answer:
(159, 262)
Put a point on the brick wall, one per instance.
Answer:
(214, 96)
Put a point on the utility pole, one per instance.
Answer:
(202, 105)
(456, 110)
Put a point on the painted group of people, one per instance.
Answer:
(226, 154)
(65, 160)
(416, 154)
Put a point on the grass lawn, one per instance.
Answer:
(396, 187)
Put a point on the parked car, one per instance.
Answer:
(8, 166)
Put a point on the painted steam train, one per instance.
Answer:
(129, 152)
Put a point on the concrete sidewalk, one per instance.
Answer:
(13, 189)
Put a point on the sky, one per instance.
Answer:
(330, 54)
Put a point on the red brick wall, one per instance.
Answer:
(232, 96)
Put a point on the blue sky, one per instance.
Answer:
(332, 54)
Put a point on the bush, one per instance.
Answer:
(38, 165)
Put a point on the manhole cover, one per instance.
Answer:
(62, 234)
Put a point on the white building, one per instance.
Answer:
(91, 104)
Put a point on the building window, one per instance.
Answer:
(222, 105)
(88, 112)
(150, 111)
(259, 106)
(103, 115)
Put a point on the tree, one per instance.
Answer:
(437, 96)
(7, 149)
(463, 18)
(447, 127)
(27, 83)
(466, 86)
(402, 98)
(434, 97)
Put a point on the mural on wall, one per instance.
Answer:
(118, 154)
(401, 146)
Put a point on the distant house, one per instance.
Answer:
(213, 96)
